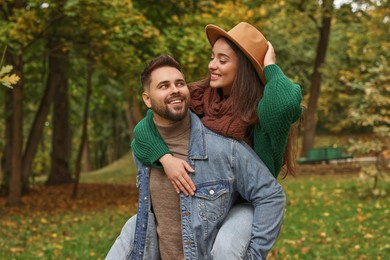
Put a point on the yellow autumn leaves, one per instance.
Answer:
(6, 78)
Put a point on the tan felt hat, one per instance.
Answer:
(250, 41)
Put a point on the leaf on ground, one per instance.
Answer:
(305, 250)
(17, 249)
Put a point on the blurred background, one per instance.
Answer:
(71, 96)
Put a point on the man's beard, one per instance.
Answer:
(169, 114)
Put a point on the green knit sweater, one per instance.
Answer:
(278, 109)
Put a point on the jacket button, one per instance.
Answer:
(211, 192)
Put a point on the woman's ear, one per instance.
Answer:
(146, 98)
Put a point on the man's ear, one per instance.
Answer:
(146, 98)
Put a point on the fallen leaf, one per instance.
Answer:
(17, 249)
(368, 236)
(305, 250)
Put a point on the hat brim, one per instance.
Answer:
(214, 32)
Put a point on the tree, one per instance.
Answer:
(61, 142)
(15, 189)
(315, 88)
(370, 81)
(20, 30)
(15, 123)
(84, 132)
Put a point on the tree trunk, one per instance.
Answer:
(87, 164)
(15, 187)
(133, 116)
(118, 135)
(35, 136)
(315, 88)
(84, 131)
(59, 172)
(7, 157)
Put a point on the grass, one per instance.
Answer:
(53, 226)
(328, 216)
(77, 235)
(332, 217)
(119, 172)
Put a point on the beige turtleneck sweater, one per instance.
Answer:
(165, 200)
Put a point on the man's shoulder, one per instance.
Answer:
(214, 137)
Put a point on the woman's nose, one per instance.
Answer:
(212, 64)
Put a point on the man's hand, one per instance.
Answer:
(177, 171)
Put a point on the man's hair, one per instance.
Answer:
(156, 63)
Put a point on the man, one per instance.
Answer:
(171, 226)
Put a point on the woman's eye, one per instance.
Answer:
(222, 61)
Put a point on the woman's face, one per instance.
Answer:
(223, 66)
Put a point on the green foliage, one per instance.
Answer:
(370, 107)
(359, 45)
(20, 27)
(118, 37)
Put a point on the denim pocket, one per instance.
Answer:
(212, 199)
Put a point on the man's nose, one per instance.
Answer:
(174, 88)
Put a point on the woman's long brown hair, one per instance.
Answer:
(248, 87)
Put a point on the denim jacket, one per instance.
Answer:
(224, 168)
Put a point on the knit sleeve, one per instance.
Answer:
(147, 145)
(280, 105)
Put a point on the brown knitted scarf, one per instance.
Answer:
(217, 112)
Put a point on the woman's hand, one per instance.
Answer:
(177, 171)
(270, 57)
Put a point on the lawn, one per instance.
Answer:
(331, 217)
(328, 216)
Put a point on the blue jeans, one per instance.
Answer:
(124, 243)
(231, 242)
(235, 234)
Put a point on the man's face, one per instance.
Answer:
(168, 95)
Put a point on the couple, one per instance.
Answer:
(202, 226)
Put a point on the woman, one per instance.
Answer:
(247, 97)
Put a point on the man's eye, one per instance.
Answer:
(181, 84)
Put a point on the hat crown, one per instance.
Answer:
(251, 40)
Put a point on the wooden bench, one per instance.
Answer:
(324, 155)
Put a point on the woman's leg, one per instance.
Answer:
(234, 236)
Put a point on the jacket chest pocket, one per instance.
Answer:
(212, 200)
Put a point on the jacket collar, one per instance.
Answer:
(197, 149)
